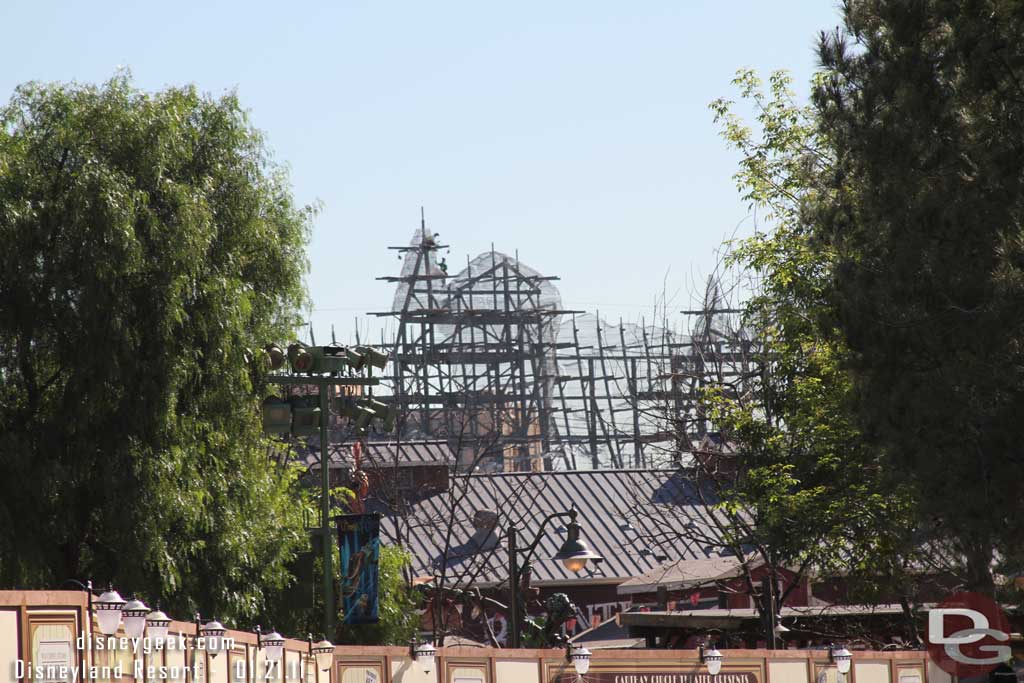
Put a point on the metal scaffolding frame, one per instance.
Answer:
(489, 360)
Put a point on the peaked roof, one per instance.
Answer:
(608, 635)
(683, 574)
(607, 500)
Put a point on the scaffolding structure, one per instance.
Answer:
(488, 360)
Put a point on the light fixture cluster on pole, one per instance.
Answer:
(574, 555)
(324, 367)
(841, 657)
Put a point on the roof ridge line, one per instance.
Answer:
(601, 470)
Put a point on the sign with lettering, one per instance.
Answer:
(598, 676)
(56, 658)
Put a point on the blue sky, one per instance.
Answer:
(577, 133)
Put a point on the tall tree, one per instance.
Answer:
(803, 490)
(794, 487)
(923, 107)
(148, 241)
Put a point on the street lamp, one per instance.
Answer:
(324, 653)
(87, 587)
(841, 657)
(712, 659)
(574, 554)
(108, 611)
(156, 626)
(256, 655)
(579, 656)
(134, 614)
(424, 654)
(213, 635)
(273, 643)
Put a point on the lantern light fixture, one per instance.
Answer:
(324, 654)
(213, 633)
(134, 614)
(424, 654)
(842, 658)
(273, 643)
(574, 553)
(108, 611)
(156, 625)
(712, 659)
(579, 656)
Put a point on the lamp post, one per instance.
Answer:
(574, 554)
(134, 614)
(106, 608)
(87, 587)
(108, 614)
(256, 655)
(308, 367)
(195, 646)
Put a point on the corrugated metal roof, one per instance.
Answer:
(386, 454)
(683, 573)
(734, 618)
(631, 544)
(608, 635)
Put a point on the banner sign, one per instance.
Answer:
(359, 545)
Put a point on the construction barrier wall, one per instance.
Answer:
(49, 629)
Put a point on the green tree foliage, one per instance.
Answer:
(148, 240)
(808, 492)
(922, 104)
